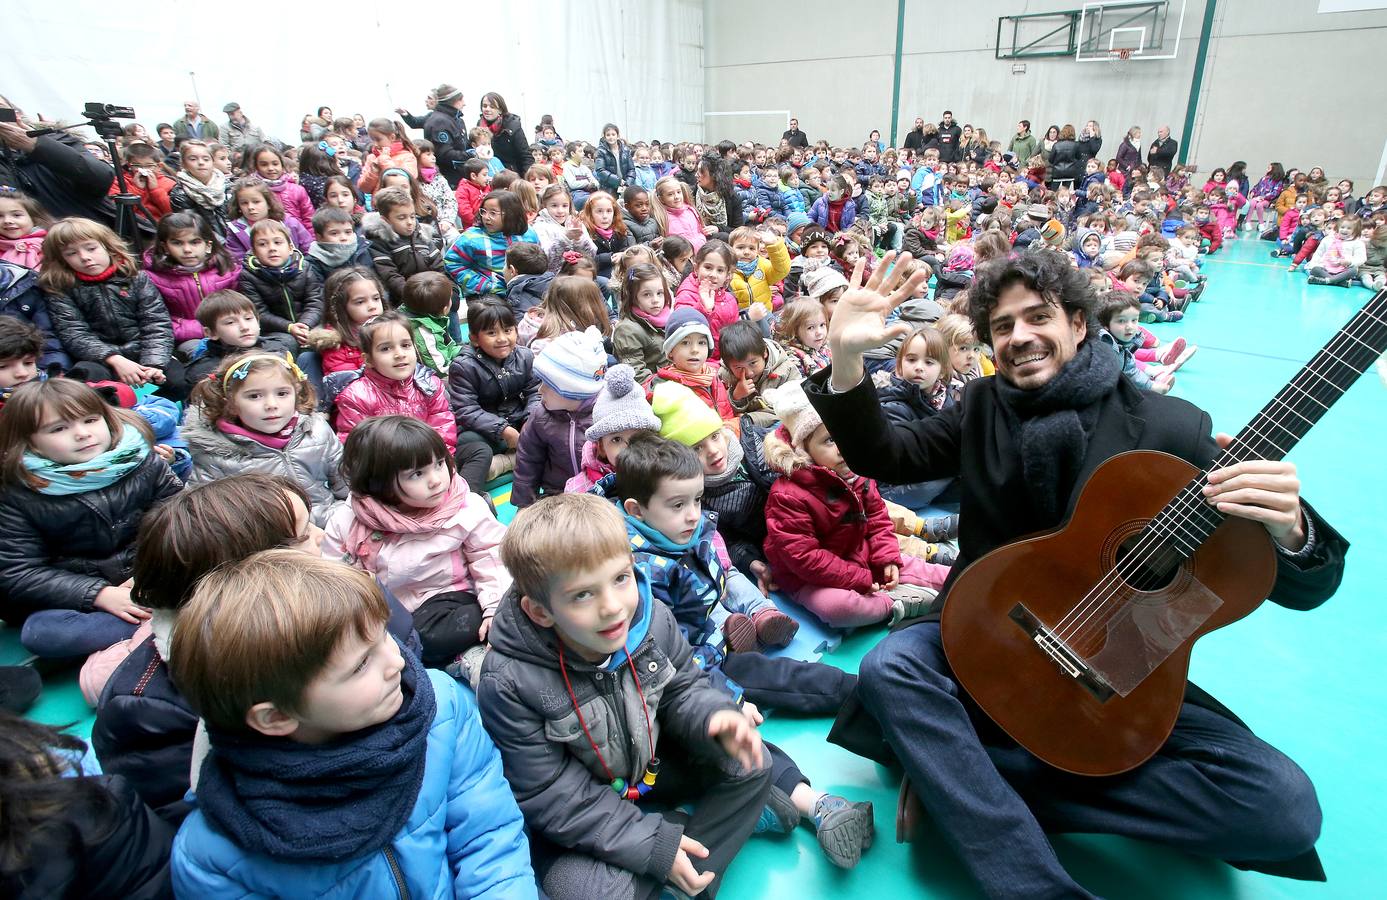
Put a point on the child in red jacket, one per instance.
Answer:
(1209, 231)
(829, 538)
(687, 346)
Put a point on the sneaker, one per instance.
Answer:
(909, 601)
(1182, 357)
(774, 628)
(468, 666)
(1147, 317)
(942, 528)
(1175, 349)
(501, 463)
(740, 633)
(942, 554)
(1315, 279)
(845, 829)
(1174, 315)
(779, 815)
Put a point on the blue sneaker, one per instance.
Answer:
(779, 815)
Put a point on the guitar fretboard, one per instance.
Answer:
(1187, 521)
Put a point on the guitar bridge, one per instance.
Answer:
(1069, 662)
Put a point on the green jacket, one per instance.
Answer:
(436, 348)
(1023, 147)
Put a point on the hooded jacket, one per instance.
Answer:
(21, 297)
(487, 396)
(615, 169)
(1082, 258)
(122, 315)
(312, 459)
(780, 369)
(421, 397)
(396, 258)
(184, 292)
(550, 764)
(758, 286)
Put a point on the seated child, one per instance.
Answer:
(428, 297)
(252, 201)
(352, 296)
(1138, 277)
(1337, 258)
(687, 345)
(400, 244)
(580, 625)
(636, 213)
(559, 229)
(491, 390)
(804, 333)
(230, 325)
(967, 355)
(412, 523)
(1373, 272)
(276, 278)
(752, 365)
(645, 306)
(336, 245)
(265, 164)
(338, 763)
(23, 300)
(918, 311)
(476, 181)
(477, 259)
(79, 476)
(705, 290)
(188, 264)
(957, 273)
(570, 370)
(527, 282)
(257, 414)
(1088, 247)
(1119, 317)
(755, 276)
(23, 225)
(393, 383)
(619, 413)
(830, 541)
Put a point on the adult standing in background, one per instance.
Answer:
(194, 124)
(796, 137)
(445, 129)
(976, 146)
(240, 133)
(1090, 140)
(1023, 143)
(1163, 149)
(949, 136)
(1129, 151)
(916, 139)
(413, 121)
(1066, 159)
(509, 143)
(1047, 143)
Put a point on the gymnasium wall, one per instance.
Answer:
(1281, 81)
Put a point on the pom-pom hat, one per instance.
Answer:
(572, 364)
(620, 406)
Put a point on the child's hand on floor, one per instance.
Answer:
(682, 874)
(738, 737)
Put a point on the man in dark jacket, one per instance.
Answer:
(1163, 150)
(796, 137)
(447, 132)
(949, 135)
(916, 139)
(55, 170)
(1057, 409)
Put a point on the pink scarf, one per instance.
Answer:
(372, 519)
(277, 441)
(605, 232)
(659, 319)
(27, 251)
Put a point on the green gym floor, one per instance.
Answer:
(1306, 682)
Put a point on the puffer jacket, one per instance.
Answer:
(615, 169)
(21, 298)
(528, 712)
(477, 259)
(312, 458)
(396, 258)
(551, 445)
(821, 531)
(525, 292)
(298, 299)
(486, 396)
(725, 309)
(780, 370)
(121, 315)
(904, 402)
(641, 232)
(757, 287)
(184, 292)
(689, 579)
(422, 397)
(510, 144)
(60, 551)
(638, 344)
(464, 837)
(462, 555)
(606, 248)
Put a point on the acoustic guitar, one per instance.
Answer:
(1077, 642)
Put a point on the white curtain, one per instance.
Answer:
(637, 63)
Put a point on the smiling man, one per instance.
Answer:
(1022, 444)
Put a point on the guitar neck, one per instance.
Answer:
(1287, 418)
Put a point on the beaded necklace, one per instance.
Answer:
(652, 771)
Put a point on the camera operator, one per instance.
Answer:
(56, 170)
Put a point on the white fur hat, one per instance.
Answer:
(792, 406)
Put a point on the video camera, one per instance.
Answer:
(101, 115)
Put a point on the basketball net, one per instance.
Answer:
(1119, 60)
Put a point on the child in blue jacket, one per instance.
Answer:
(339, 765)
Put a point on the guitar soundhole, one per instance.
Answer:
(1146, 565)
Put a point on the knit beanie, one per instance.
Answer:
(814, 235)
(796, 220)
(1052, 233)
(620, 406)
(684, 321)
(1038, 213)
(821, 281)
(683, 417)
(573, 364)
(446, 92)
(792, 406)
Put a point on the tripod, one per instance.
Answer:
(127, 204)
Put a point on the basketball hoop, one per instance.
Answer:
(1119, 59)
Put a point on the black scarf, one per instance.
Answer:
(326, 801)
(1055, 421)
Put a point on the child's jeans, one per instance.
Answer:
(846, 608)
(742, 596)
(71, 632)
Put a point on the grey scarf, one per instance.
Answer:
(334, 256)
(734, 462)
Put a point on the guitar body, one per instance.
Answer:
(1024, 690)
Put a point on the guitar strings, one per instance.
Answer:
(1192, 503)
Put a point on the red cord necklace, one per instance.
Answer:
(652, 771)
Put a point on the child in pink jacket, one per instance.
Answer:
(392, 383)
(414, 526)
(188, 264)
(706, 290)
(267, 164)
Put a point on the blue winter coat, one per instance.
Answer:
(20, 297)
(465, 836)
(690, 580)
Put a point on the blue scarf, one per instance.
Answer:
(748, 268)
(330, 801)
(640, 627)
(57, 480)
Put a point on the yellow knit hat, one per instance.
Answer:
(683, 417)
